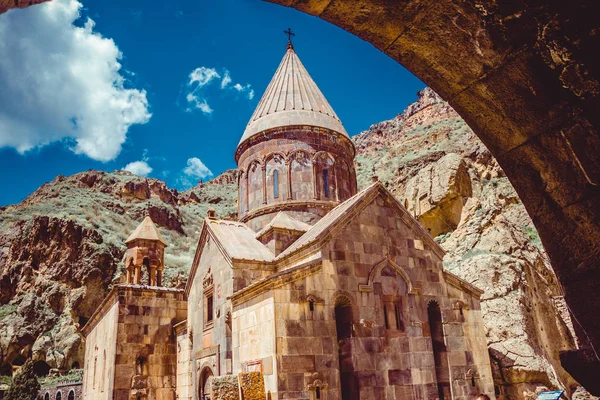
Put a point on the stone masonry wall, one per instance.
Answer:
(100, 348)
(391, 359)
(254, 342)
(146, 355)
(184, 386)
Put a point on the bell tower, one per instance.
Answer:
(295, 155)
(145, 255)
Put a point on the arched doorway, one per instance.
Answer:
(205, 383)
(343, 325)
(442, 373)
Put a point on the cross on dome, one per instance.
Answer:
(289, 33)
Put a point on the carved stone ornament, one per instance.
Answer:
(207, 282)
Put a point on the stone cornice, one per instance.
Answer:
(180, 327)
(276, 280)
(277, 132)
(463, 285)
(289, 204)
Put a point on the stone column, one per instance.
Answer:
(152, 277)
(264, 183)
(288, 164)
(247, 190)
(315, 181)
(335, 182)
(136, 275)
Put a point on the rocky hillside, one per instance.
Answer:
(60, 249)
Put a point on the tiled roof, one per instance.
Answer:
(239, 241)
(284, 221)
(332, 217)
(292, 98)
(146, 231)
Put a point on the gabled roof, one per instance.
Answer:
(292, 98)
(344, 211)
(239, 241)
(146, 231)
(284, 221)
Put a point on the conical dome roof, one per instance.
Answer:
(292, 98)
(146, 231)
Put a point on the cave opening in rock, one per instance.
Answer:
(41, 368)
(19, 361)
(5, 370)
(82, 321)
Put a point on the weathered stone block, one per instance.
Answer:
(225, 388)
(252, 385)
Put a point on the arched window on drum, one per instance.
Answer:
(276, 184)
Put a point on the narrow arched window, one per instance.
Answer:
(71, 395)
(58, 395)
(326, 182)
(275, 184)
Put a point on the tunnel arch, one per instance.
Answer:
(527, 84)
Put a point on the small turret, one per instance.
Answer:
(145, 251)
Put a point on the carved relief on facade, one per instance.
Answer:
(302, 176)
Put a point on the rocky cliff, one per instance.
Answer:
(60, 249)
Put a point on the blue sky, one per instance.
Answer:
(85, 95)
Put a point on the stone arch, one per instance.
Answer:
(204, 382)
(58, 395)
(325, 182)
(71, 395)
(47, 396)
(344, 317)
(276, 172)
(376, 270)
(255, 185)
(242, 192)
(145, 271)
(529, 109)
(271, 155)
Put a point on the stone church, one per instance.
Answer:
(330, 292)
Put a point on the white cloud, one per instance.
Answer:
(202, 77)
(62, 82)
(196, 169)
(198, 103)
(226, 80)
(140, 168)
(193, 172)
